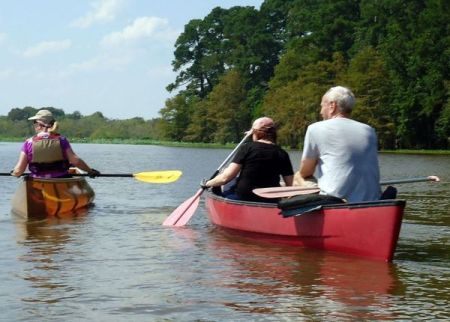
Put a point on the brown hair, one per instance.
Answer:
(266, 133)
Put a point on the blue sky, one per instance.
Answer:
(112, 56)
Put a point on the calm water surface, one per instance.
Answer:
(116, 262)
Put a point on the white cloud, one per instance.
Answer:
(47, 47)
(143, 27)
(102, 11)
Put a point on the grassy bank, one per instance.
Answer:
(138, 142)
(207, 145)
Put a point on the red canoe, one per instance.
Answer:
(367, 229)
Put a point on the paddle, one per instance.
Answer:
(166, 176)
(181, 215)
(281, 192)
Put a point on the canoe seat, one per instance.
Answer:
(301, 204)
(389, 193)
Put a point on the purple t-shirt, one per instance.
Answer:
(27, 148)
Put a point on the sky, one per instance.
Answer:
(111, 56)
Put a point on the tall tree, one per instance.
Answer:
(368, 77)
(227, 110)
(176, 116)
(199, 129)
(414, 38)
(199, 54)
(253, 50)
(274, 14)
(327, 25)
(296, 104)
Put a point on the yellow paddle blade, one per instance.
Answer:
(158, 176)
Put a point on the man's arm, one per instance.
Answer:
(288, 180)
(307, 167)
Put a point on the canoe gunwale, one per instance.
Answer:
(354, 205)
(54, 180)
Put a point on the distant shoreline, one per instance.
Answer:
(213, 145)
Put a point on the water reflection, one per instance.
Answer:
(273, 279)
(118, 262)
(47, 246)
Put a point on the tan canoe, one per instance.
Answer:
(41, 198)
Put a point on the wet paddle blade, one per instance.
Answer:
(189, 213)
(181, 215)
(158, 176)
(186, 210)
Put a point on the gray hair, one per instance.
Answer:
(344, 98)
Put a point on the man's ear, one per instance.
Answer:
(333, 108)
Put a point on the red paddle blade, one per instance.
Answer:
(183, 220)
(181, 215)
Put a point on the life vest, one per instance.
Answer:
(48, 155)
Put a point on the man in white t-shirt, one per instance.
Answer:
(340, 152)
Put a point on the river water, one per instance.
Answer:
(116, 262)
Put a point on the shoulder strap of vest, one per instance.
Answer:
(51, 136)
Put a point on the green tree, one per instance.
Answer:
(199, 54)
(252, 48)
(199, 129)
(368, 77)
(296, 104)
(239, 38)
(226, 108)
(75, 115)
(274, 14)
(176, 116)
(413, 37)
(18, 114)
(443, 122)
(328, 26)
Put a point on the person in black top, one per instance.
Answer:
(259, 163)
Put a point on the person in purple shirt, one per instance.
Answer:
(48, 154)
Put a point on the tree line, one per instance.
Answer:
(77, 126)
(240, 63)
(237, 64)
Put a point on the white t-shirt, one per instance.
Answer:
(347, 156)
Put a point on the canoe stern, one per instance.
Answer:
(369, 229)
(39, 198)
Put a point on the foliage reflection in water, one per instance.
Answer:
(116, 262)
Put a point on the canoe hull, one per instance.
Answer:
(369, 229)
(41, 198)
